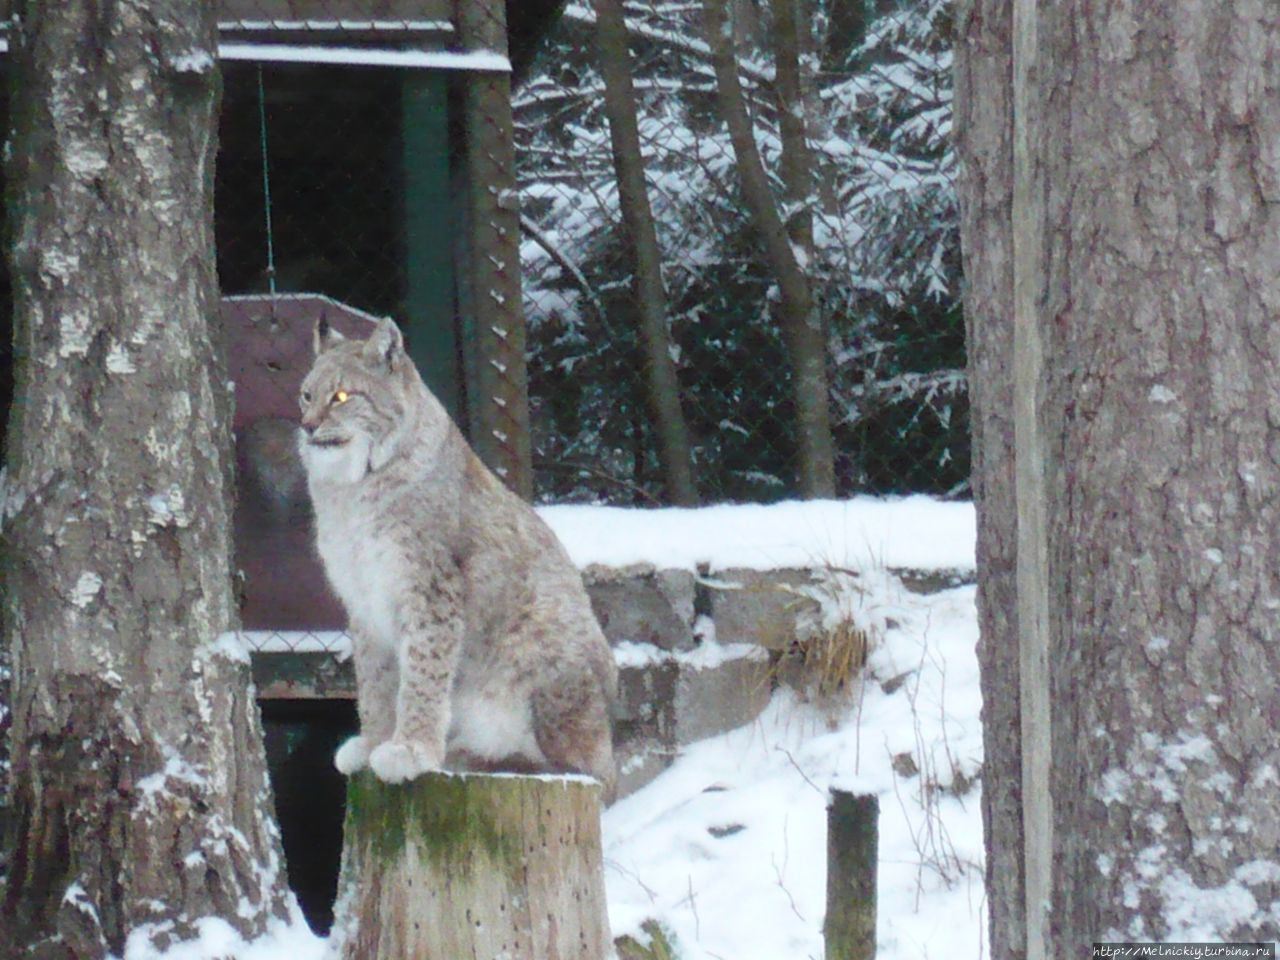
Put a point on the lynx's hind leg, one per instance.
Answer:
(376, 683)
(571, 724)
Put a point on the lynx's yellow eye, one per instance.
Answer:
(341, 396)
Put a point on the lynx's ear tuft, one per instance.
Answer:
(386, 345)
(325, 335)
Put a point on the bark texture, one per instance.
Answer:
(802, 325)
(473, 865)
(1162, 205)
(1158, 180)
(139, 790)
(984, 140)
(661, 380)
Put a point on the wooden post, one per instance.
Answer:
(497, 391)
(472, 865)
(853, 834)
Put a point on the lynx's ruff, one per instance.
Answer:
(475, 645)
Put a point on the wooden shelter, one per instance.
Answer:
(367, 168)
(377, 137)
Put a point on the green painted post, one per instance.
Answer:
(429, 217)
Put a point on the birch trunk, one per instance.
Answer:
(139, 792)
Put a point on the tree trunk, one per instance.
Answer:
(803, 329)
(983, 121)
(1148, 173)
(139, 792)
(791, 44)
(662, 385)
(472, 865)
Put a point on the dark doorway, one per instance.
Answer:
(301, 737)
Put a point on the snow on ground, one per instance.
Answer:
(917, 533)
(726, 850)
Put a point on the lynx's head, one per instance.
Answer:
(355, 402)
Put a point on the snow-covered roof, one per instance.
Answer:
(479, 60)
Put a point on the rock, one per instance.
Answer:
(643, 715)
(667, 699)
(720, 688)
(934, 581)
(643, 605)
(762, 607)
(639, 763)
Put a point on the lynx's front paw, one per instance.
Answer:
(353, 756)
(397, 761)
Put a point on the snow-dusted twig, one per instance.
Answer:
(565, 263)
(792, 760)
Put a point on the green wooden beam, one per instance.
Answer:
(428, 226)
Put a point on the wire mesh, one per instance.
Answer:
(878, 245)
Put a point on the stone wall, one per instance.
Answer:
(699, 654)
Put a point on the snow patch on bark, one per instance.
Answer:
(168, 508)
(74, 330)
(215, 937)
(176, 770)
(86, 589)
(119, 359)
(85, 163)
(58, 264)
(77, 896)
(1195, 913)
(227, 646)
(193, 61)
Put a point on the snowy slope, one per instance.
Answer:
(757, 891)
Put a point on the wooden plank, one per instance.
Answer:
(489, 288)
(303, 676)
(1032, 466)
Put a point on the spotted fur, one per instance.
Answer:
(475, 644)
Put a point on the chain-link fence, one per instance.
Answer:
(357, 177)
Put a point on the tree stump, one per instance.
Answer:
(853, 834)
(458, 865)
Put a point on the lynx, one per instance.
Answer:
(475, 644)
